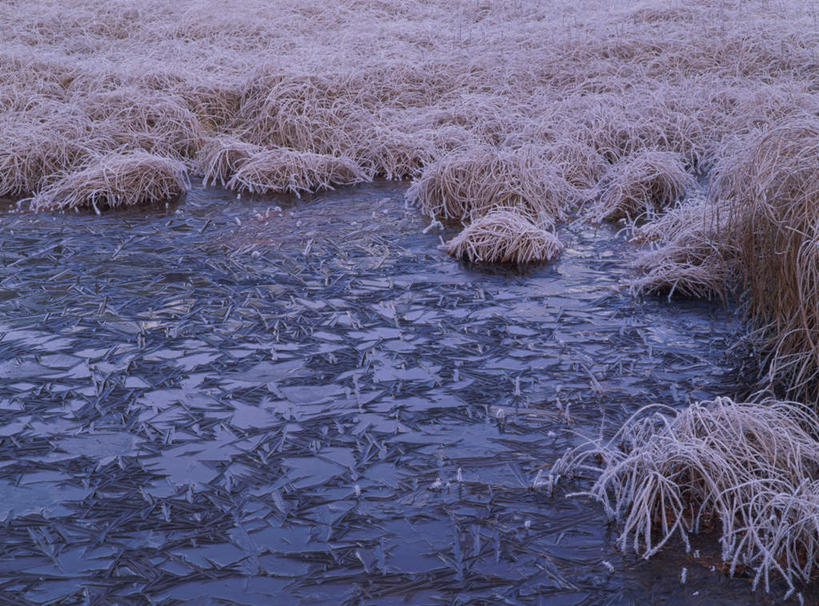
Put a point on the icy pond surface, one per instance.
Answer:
(223, 403)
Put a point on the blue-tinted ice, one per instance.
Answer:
(220, 401)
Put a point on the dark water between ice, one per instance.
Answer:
(345, 417)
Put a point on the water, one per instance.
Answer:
(227, 402)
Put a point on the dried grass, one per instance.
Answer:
(505, 236)
(395, 154)
(690, 252)
(33, 151)
(748, 469)
(220, 157)
(468, 183)
(595, 87)
(645, 182)
(578, 163)
(159, 123)
(114, 180)
(288, 171)
(769, 181)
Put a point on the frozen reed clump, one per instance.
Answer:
(318, 113)
(647, 181)
(41, 143)
(579, 163)
(468, 183)
(493, 119)
(619, 124)
(746, 469)
(769, 181)
(288, 171)
(394, 154)
(220, 157)
(690, 251)
(157, 122)
(116, 179)
(505, 236)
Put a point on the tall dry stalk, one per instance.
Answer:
(770, 183)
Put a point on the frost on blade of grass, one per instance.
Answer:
(746, 470)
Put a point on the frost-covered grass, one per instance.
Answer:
(644, 182)
(748, 470)
(115, 179)
(505, 236)
(396, 87)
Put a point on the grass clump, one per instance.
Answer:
(159, 123)
(114, 180)
(220, 157)
(393, 154)
(748, 469)
(578, 162)
(34, 149)
(769, 180)
(649, 180)
(690, 251)
(505, 236)
(309, 112)
(289, 171)
(469, 182)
